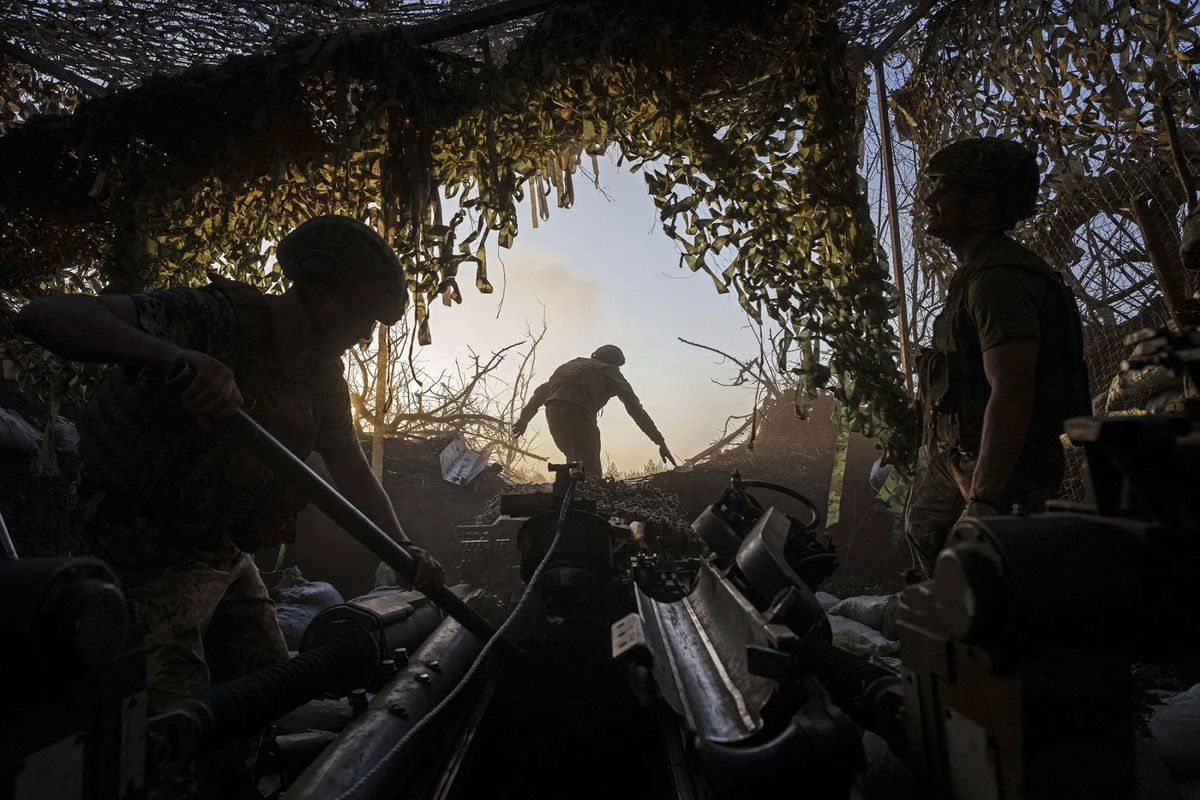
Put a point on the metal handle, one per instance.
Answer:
(339, 509)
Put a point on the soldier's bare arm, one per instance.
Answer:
(1011, 371)
(85, 328)
(105, 329)
(358, 484)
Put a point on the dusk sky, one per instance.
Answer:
(606, 273)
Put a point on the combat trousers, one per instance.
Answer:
(943, 483)
(207, 619)
(576, 434)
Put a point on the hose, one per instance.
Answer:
(425, 721)
(813, 524)
(249, 702)
(845, 675)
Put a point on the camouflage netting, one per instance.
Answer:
(217, 132)
(744, 118)
(36, 492)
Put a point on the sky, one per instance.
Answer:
(607, 274)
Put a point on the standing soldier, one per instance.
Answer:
(1006, 364)
(177, 508)
(573, 398)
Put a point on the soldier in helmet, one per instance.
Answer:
(177, 508)
(1006, 363)
(573, 398)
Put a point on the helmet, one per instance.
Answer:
(609, 354)
(346, 254)
(994, 165)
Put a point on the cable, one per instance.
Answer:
(568, 498)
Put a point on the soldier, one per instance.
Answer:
(177, 508)
(1006, 364)
(573, 398)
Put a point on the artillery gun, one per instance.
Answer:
(629, 674)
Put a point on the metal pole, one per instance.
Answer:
(889, 174)
(353, 521)
(1162, 247)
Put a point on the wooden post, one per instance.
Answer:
(1162, 246)
(381, 364)
(381, 374)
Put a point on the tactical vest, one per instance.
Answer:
(153, 461)
(954, 386)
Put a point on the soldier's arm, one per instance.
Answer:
(85, 328)
(1004, 306)
(358, 484)
(105, 329)
(536, 401)
(633, 406)
(1011, 370)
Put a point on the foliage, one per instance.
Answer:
(744, 122)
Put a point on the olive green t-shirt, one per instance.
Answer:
(1005, 304)
(1011, 294)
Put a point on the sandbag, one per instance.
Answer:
(855, 637)
(298, 601)
(1175, 726)
(18, 435)
(827, 601)
(870, 609)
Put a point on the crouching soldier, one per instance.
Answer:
(177, 508)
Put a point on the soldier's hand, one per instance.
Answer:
(212, 393)
(666, 455)
(430, 577)
(519, 427)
